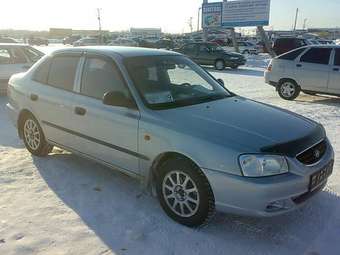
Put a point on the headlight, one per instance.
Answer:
(263, 165)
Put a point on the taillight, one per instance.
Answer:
(269, 68)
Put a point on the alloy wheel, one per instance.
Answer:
(32, 134)
(181, 193)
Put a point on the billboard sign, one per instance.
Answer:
(245, 13)
(212, 15)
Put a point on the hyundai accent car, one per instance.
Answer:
(159, 117)
(312, 70)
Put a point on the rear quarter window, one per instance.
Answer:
(41, 73)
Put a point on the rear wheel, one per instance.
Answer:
(185, 193)
(288, 89)
(33, 136)
(219, 64)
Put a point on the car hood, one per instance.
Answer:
(243, 123)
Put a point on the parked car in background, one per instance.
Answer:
(220, 42)
(212, 54)
(123, 42)
(7, 40)
(86, 42)
(71, 39)
(312, 69)
(37, 41)
(326, 42)
(313, 42)
(15, 58)
(165, 44)
(159, 117)
(283, 45)
(245, 48)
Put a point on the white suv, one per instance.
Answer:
(312, 70)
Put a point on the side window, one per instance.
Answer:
(41, 73)
(18, 57)
(337, 57)
(100, 76)
(189, 48)
(204, 48)
(317, 56)
(5, 56)
(63, 72)
(293, 54)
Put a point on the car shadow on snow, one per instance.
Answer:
(125, 218)
(320, 99)
(240, 71)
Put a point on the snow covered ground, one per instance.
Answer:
(64, 204)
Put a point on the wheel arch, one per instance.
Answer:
(159, 160)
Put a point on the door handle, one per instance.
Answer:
(34, 97)
(80, 111)
(298, 65)
(336, 69)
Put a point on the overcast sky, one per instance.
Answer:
(171, 15)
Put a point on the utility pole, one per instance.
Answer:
(198, 19)
(296, 18)
(100, 25)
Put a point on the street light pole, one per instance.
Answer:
(296, 18)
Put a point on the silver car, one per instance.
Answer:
(161, 118)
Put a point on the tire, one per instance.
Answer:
(185, 193)
(219, 65)
(33, 136)
(288, 89)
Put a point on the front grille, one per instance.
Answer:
(314, 154)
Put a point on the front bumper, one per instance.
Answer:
(256, 196)
(12, 113)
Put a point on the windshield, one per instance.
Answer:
(172, 81)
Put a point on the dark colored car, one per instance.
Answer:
(212, 54)
(71, 39)
(37, 41)
(283, 45)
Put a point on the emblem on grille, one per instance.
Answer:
(317, 154)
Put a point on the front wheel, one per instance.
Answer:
(219, 65)
(185, 193)
(288, 90)
(33, 136)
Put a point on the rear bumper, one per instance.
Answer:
(269, 79)
(268, 196)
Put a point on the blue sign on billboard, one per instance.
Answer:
(212, 15)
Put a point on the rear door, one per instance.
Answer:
(334, 80)
(205, 55)
(52, 97)
(108, 133)
(313, 69)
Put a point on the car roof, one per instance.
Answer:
(124, 52)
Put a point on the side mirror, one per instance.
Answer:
(115, 98)
(220, 81)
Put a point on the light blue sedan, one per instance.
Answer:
(159, 117)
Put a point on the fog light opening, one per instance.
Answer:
(279, 205)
